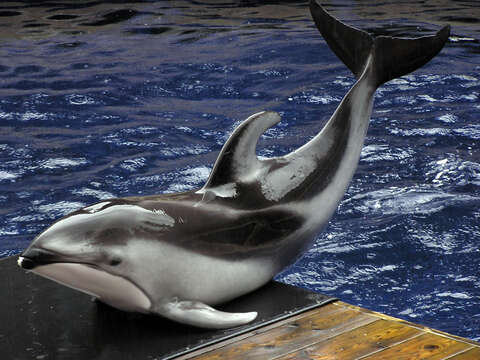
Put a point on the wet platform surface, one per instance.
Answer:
(43, 320)
(40, 319)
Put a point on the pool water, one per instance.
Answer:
(111, 99)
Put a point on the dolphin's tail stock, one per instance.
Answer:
(392, 57)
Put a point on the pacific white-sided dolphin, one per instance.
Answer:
(176, 255)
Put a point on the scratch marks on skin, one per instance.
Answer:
(155, 219)
(162, 213)
(126, 217)
(160, 216)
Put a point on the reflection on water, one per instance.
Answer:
(188, 19)
(108, 99)
(24, 20)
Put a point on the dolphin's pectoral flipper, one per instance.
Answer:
(238, 159)
(392, 57)
(198, 314)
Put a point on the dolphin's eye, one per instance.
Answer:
(115, 261)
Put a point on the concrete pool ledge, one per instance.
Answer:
(40, 319)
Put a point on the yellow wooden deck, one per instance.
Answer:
(342, 331)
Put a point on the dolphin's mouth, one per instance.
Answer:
(33, 257)
(114, 290)
(26, 263)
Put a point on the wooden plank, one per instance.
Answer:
(325, 323)
(407, 323)
(426, 346)
(343, 331)
(472, 354)
(256, 332)
(362, 341)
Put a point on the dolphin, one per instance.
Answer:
(178, 255)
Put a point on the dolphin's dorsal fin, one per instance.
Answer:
(238, 159)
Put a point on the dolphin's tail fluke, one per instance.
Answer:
(392, 57)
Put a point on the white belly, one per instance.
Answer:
(167, 271)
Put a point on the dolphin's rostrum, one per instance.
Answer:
(176, 255)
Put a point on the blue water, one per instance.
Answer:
(111, 99)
